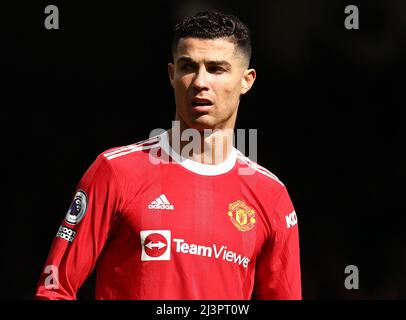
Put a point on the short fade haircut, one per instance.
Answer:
(213, 25)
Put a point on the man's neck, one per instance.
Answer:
(210, 146)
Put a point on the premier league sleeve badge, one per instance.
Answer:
(77, 209)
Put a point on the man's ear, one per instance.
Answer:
(248, 80)
(171, 72)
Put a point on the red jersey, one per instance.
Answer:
(159, 226)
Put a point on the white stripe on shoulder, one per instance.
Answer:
(258, 167)
(119, 149)
(144, 145)
(135, 149)
(128, 147)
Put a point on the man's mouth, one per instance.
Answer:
(201, 102)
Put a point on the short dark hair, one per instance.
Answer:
(213, 25)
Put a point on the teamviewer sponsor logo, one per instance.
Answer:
(156, 245)
(214, 251)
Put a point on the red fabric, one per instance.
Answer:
(207, 254)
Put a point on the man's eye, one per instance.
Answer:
(217, 70)
(186, 67)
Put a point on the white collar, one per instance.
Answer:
(197, 167)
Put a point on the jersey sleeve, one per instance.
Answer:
(278, 275)
(82, 234)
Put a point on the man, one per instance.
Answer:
(167, 218)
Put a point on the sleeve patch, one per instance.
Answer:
(77, 209)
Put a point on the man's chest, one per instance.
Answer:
(218, 219)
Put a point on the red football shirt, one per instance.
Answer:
(164, 227)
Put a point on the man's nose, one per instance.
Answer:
(201, 82)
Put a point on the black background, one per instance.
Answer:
(327, 104)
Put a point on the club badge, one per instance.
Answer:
(241, 215)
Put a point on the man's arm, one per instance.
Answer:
(278, 267)
(82, 234)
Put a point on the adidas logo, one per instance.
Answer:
(161, 203)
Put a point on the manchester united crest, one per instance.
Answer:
(241, 215)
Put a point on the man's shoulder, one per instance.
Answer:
(128, 154)
(249, 167)
(128, 151)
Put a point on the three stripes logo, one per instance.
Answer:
(161, 203)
